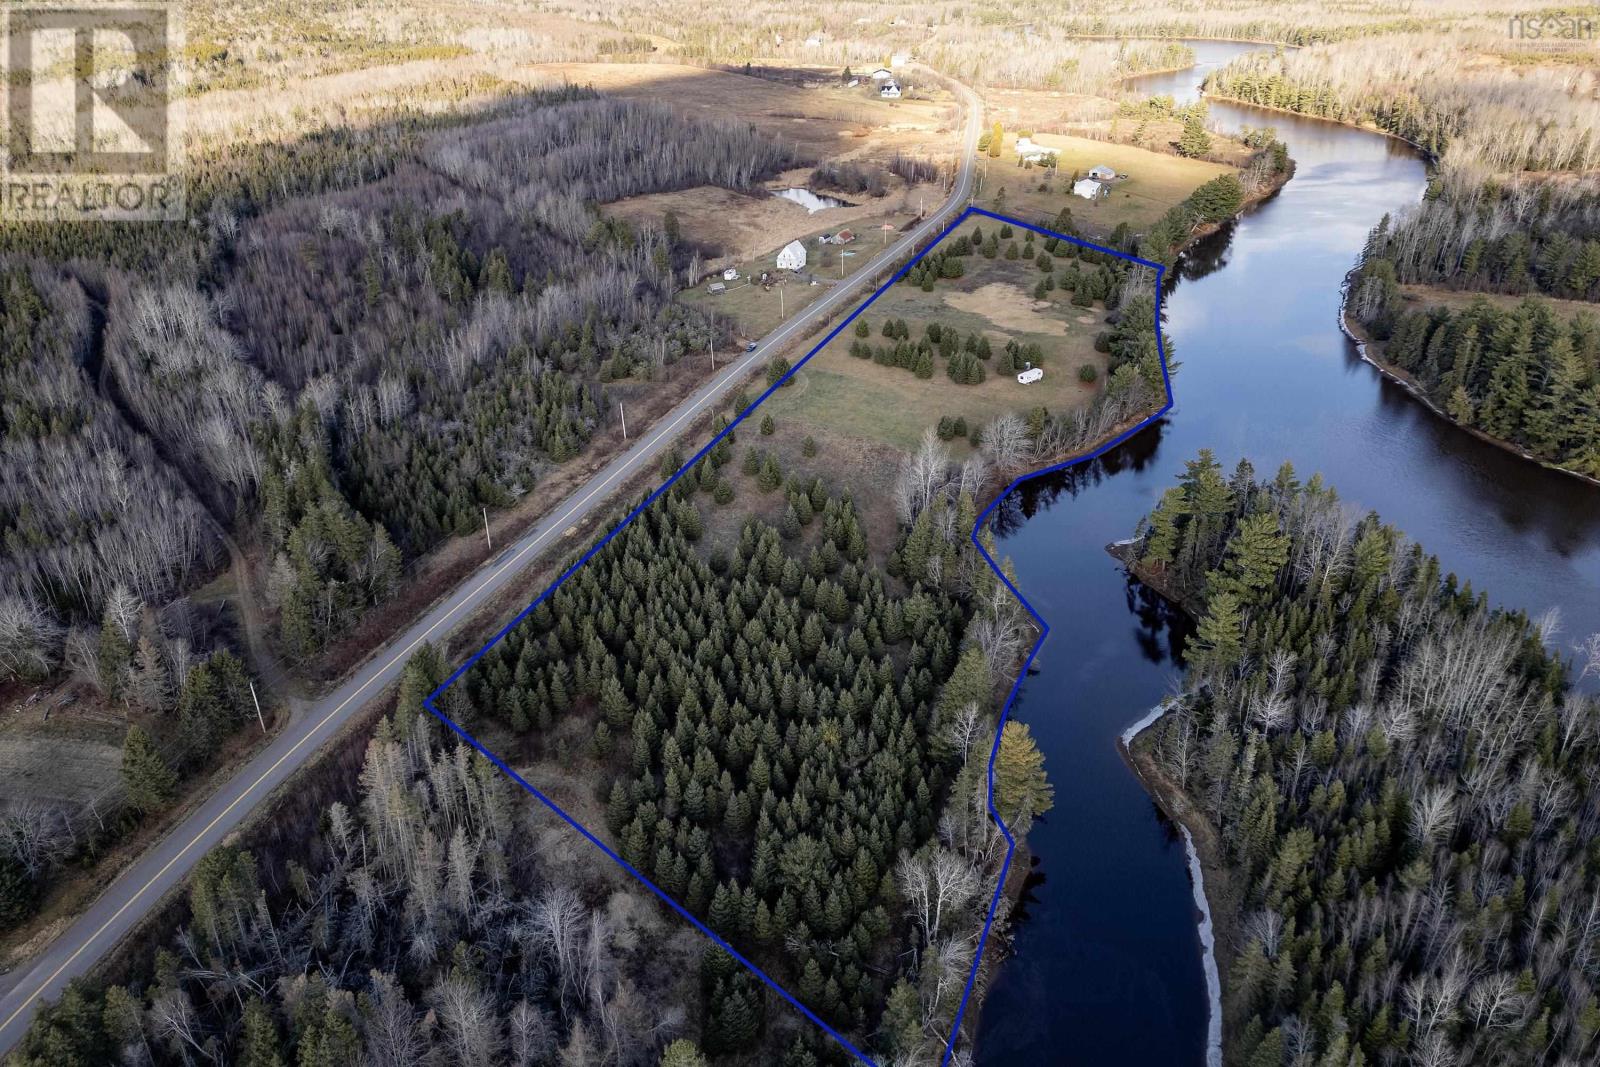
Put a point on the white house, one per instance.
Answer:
(1102, 173)
(793, 256)
(890, 91)
(883, 74)
(1031, 375)
(1033, 150)
(731, 274)
(1089, 189)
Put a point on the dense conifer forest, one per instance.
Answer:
(1400, 780)
(781, 736)
(1527, 374)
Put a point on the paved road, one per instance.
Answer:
(141, 887)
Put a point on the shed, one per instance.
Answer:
(718, 287)
(883, 74)
(1102, 173)
(731, 274)
(843, 237)
(1031, 375)
(1089, 189)
(792, 257)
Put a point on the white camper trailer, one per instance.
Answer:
(1031, 375)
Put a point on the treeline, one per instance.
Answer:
(1523, 374)
(1519, 237)
(851, 177)
(1215, 201)
(965, 358)
(1400, 780)
(1489, 116)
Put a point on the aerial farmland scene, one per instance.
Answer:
(656, 535)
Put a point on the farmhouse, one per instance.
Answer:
(883, 74)
(793, 256)
(1102, 173)
(1089, 189)
(890, 91)
(1034, 151)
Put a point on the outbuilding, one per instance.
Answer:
(731, 274)
(792, 257)
(1088, 188)
(1102, 173)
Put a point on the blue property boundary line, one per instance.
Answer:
(1011, 697)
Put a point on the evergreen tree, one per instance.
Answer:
(150, 782)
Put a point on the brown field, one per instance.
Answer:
(1155, 182)
(862, 401)
(66, 762)
(824, 118)
(1418, 296)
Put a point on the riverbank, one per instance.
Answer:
(1371, 352)
(1365, 127)
(1215, 893)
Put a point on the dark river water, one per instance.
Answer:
(1107, 964)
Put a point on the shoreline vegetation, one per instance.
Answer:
(1371, 351)
(1292, 779)
(1205, 867)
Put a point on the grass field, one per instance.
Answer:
(864, 400)
(1421, 296)
(1155, 182)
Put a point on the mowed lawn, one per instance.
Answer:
(1155, 182)
(863, 399)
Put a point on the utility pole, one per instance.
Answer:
(254, 699)
(486, 538)
(624, 412)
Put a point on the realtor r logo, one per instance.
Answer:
(90, 119)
